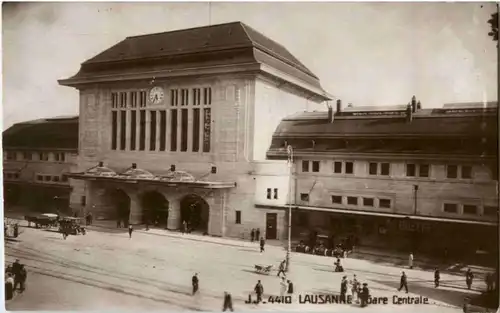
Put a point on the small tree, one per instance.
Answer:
(493, 21)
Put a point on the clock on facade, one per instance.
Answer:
(156, 95)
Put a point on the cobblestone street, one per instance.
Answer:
(106, 269)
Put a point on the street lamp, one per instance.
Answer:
(289, 151)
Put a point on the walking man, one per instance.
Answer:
(252, 235)
(262, 244)
(404, 282)
(259, 290)
(228, 302)
(355, 288)
(468, 278)
(283, 286)
(343, 289)
(410, 260)
(437, 277)
(184, 227)
(365, 294)
(130, 230)
(257, 234)
(195, 283)
(282, 268)
(20, 279)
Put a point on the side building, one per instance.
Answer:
(174, 127)
(38, 155)
(398, 176)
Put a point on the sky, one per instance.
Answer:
(363, 53)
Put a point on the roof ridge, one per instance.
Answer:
(183, 29)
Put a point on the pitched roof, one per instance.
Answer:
(55, 133)
(242, 41)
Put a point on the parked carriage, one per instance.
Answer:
(45, 220)
(71, 226)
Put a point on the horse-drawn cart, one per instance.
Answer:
(46, 220)
(71, 226)
(263, 269)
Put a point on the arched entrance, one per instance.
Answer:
(154, 208)
(194, 211)
(121, 202)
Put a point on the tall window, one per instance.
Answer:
(275, 193)
(142, 99)
(184, 130)
(196, 96)
(452, 171)
(173, 130)
(163, 130)
(268, 193)
(123, 128)
(114, 129)
(184, 97)
(196, 129)
(207, 96)
(152, 131)
(174, 97)
(315, 166)
(305, 166)
(238, 217)
(207, 122)
(142, 130)
(133, 127)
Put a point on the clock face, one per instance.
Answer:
(156, 95)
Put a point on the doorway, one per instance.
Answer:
(271, 225)
(155, 209)
(195, 212)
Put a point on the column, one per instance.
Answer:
(119, 129)
(202, 127)
(216, 214)
(135, 209)
(169, 132)
(179, 128)
(148, 129)
(174, 214)
(128, 129)
(158, 122)
(137, 128)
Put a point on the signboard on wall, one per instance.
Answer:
(207, 122)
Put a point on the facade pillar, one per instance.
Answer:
(216, 223)
(174, 215)
(135, 209)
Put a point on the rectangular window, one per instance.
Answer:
(133, 99)
(352, 200)
(123, 100)
(268, 193)
(64, 178)
(373, 168)
(337, 199)
(315, 166)
(451, 171)
(368, 202)
(466, 172)
(174, 97)
(410, 170)
(28, 156)
(152, 131)
(43, 156)
(173, 130)
(207, 122)
(39, 177)
(275, 193)
(238, 217)
(305, 166)
(83, 200)
(196, 129)
(470, 209)
(196, 96)
(349, 167)
(47, 178)
(184, 130)
(490, 211)
(304, 197)
(184, 97)
(56, 178)
(123, 129)
(207, 96)
(163, 130)
(385, 169)
(114, 129)
(450, 207)
(337, 167)
(385, 203)
(143, 99)
(423, 170)
(133, 127)
(142, 130)
(114, 100)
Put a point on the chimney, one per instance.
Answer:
(413, 104)
(409, 113)
(134, 165)
(330, 114)
(172, 167)
(339, 106)
(101, 164)
(419, 105)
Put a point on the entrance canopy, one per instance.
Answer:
(135, 175)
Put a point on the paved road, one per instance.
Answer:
(107, 270)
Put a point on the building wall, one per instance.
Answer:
(432, 192)
(273, 102)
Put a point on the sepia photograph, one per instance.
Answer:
(250, 156)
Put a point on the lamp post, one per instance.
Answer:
(289, 151)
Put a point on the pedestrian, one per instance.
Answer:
(64, 233)
(437, 277)
(404, 282)
(410, 260)
(468, 278)
(91, 218)
(9, 287)
(343, 289)
(16, 230)
(16, 267)
(282, 268)
(252, 235)
(20, 279)
(195, 283)
(348, 294)
(259, 290)
(262, 244)
(257, 234)
(184, 227)
(290, 287)
(466, 306)
(130, 230)
(228, 302)
(118, 223)
(364, 295)
(283, 286)
(355, 288)
(490, 281)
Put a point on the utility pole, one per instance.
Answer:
(289, 151)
